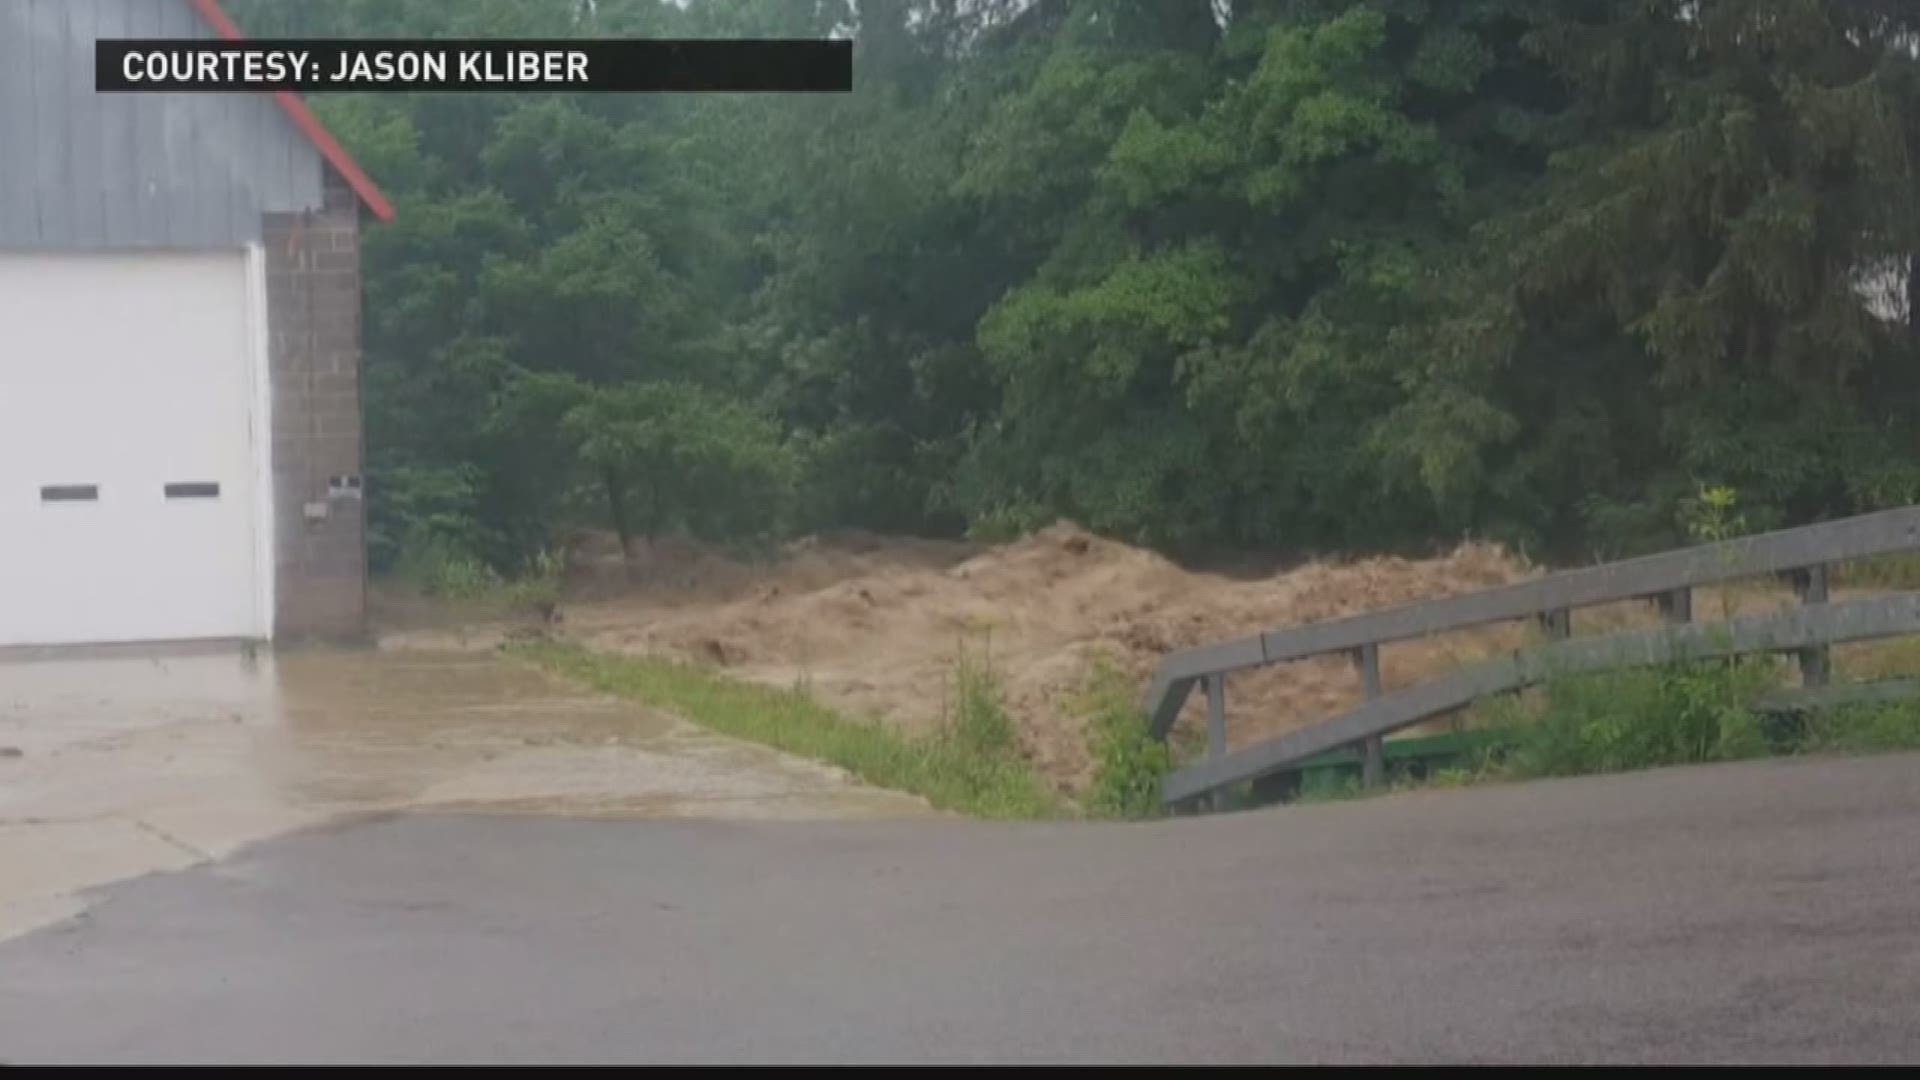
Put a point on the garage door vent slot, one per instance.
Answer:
(70, 493)
(197, 489)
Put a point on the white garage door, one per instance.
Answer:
(127, 475)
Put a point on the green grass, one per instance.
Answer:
(444, 572)
(1129, 764)
(1642, 718)
(1686, 714)
(972, 767)
(979, 726)
(1621, 721)
(1616, 721)
(1327, 785)
(1863, 728)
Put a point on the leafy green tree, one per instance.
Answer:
(1738, 167)
(1296, 274)
(670, 456)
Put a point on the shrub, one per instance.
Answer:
(673, 455)
(1892, 725)
(539, 584)
(980, 724)
(425, 512)
(1129, 763)
(1673, 715)
(441, 568)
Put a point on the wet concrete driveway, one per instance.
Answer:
(115, 763)
(1760, 912)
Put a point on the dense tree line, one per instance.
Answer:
(1286, 274)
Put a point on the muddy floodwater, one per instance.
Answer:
(119, 762)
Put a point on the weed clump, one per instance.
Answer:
(1129, 763)
(445, 571)
(1677, 714)
(979, 723)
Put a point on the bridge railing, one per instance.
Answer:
(1667, 578)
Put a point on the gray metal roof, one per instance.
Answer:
(87, 171)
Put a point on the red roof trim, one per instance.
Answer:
(309, 124)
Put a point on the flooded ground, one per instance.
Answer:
(117, 762)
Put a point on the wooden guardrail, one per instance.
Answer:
(1667, 578)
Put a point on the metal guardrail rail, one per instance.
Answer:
(1667, 578)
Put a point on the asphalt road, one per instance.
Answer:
(1760, 912)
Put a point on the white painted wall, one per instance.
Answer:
(129, 372)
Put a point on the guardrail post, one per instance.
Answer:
(1373, 751)
(1216, 687)
(1676, 606)
(1816, 662)
(1557, 623)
